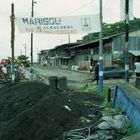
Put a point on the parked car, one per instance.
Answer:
(115, 72)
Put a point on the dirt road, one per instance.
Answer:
(77, 77)
(73, 77)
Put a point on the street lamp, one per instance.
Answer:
(32, 15)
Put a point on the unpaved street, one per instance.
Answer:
(76, 77)
(73, 77)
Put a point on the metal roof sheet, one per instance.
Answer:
(135, 53)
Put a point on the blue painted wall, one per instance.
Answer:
(128, 98)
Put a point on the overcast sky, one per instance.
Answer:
(44, 8)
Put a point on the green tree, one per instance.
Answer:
(112, 29)
(22, 57)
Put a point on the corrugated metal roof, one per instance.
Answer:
(95, 41)
(104, 39)
(135, 53)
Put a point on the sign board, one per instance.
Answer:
(59, 25)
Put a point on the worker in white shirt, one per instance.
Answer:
(5, 72)
(137, 69)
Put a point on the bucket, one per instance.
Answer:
(53, 81)
(62, 83)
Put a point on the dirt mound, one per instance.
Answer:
(34, 111)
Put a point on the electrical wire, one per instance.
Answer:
(83, 6)
(131, 13)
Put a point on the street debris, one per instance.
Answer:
(108, 129)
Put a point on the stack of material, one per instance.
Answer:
(35, 111)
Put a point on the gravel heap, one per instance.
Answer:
(35, 111)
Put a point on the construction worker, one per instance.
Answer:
(5, 72)
(21, 71)
(137, 70)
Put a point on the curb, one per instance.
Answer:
(40, 77)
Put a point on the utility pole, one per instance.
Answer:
(69, 39)
(25, 48)
(69, 61)
(32, 15)
(12, 17)
(101, 50)
(20, 51)
(126, 40)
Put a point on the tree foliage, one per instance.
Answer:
(22, 57)
(112, 29)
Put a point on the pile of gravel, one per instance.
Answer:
(35, 111)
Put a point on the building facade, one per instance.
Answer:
(84, 55)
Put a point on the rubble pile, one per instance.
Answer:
(110, 128)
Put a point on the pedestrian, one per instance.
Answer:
(21, 72)
(31, 75)
(97, 72)
(5, 72)
(91, 69)
(15, 73)
(137, 68)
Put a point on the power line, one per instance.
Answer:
(131, 14)
(83, 6)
